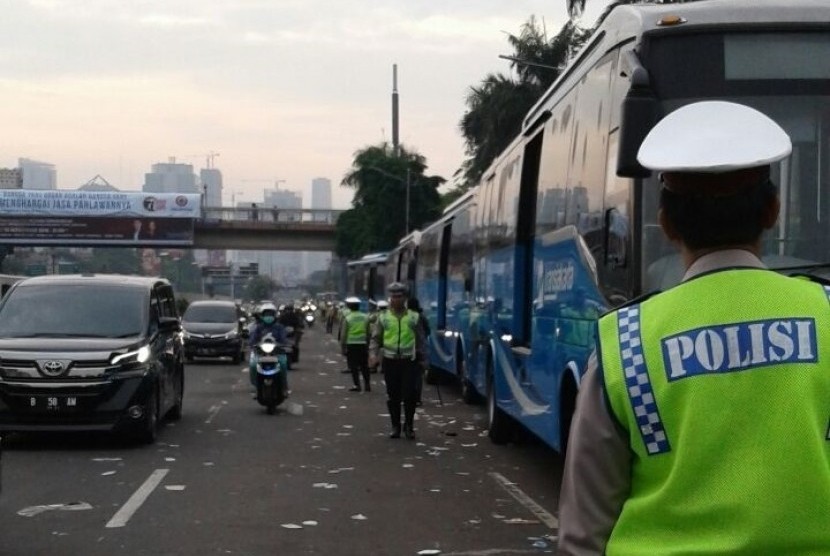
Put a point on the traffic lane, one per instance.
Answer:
(331, 474)
(332, 471)
(92, 476)
(246, 474)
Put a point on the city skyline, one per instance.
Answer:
(281, 90)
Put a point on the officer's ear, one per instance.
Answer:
(668, 227)
(770, 215)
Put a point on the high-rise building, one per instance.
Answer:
(10, 178)
(320, 200)
(320, 196)
(171, 177)
(283, 266)
(37, 175)
(211, 181)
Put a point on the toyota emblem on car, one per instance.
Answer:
(53, 367)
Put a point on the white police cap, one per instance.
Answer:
(352, 300)
(713, 137)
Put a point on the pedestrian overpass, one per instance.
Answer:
(265, 229)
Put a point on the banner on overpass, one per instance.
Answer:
(84, 230)
(129, 204)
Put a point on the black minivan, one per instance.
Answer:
(90, 352)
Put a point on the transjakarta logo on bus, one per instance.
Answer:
(558, 278)
(738, 347)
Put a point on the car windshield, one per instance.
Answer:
(210, 314)
(73, 311)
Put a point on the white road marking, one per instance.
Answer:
(544, 516)
(214, 409)
(123, 515)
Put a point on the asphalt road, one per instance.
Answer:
(320, 477)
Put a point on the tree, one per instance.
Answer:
(259, 287)
(377, 220)
(497, 107)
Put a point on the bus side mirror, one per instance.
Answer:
(640, 112)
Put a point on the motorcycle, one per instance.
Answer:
(271, 369)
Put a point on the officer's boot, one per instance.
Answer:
(395, 416)
(367, 383)
(409, 419)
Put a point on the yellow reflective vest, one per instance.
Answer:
(723, 385)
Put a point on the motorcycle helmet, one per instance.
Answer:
(268, 313)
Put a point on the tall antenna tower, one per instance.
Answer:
(395, 146)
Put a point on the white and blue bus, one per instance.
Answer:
(401, 261)
(366, 278)
(564, 227)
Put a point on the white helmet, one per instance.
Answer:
(267, 306)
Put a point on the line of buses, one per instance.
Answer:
(563, 225)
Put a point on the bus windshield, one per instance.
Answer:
(802, 235)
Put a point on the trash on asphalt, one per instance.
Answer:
(72, 506)
(359, 517)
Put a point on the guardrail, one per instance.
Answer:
(267, 214)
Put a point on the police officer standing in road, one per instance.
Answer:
(398, 343)
(702, 421)
(353, 344)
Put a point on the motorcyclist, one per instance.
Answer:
(266, 324)
(290, 317)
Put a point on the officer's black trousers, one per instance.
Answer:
(401, 377)
(357, 358)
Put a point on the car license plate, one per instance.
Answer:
(53, 403)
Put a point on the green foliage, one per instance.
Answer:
(496, 107)
(377, 220)
(259, 287)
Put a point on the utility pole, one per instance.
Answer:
(395, 147)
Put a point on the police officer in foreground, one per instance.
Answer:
(398, 344)
(353, 344)
(702, 421)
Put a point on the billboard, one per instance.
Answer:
(91, 218)
(127, 204)
(90, 231)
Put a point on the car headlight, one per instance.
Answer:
(231, 335)
(141, 355)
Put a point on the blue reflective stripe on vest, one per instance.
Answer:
(638, 384)
(827, 292)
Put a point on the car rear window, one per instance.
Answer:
(210, 313)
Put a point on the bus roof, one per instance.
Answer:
(369, 260)
(631, 21)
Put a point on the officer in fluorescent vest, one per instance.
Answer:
(353, 343)
(398, 343)
(702, 420)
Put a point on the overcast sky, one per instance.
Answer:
(281, 89)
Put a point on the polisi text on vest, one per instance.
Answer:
(739, 346)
